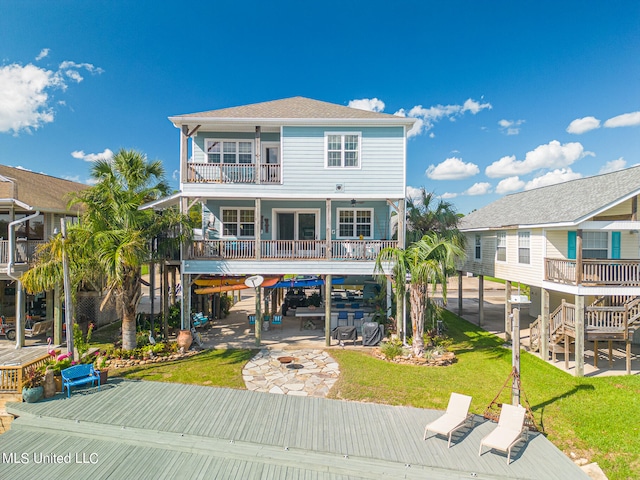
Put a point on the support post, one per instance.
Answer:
(579, 257)
(20, 314)
(579, 353)
(258, 228)
(165, 299)
(515, 357)
(328, 235)
(544, 325)
(328, 279)
(480, 300)
(595, 353)
(152, 295)
(460, 294)
(57, 315)
(68, 305)
(507, 310)
(258, 318)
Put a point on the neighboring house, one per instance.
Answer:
(577, 245)
(293, 186)
(31, 206)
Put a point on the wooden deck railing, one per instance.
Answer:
(361, 250)
(233, 173)
(11, 375)
(620, 272)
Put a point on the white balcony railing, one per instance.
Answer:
(233, 173)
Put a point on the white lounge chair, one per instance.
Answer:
(509, 431)
(456, 416)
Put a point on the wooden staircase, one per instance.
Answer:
(608, 318)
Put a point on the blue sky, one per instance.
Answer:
(509, 95)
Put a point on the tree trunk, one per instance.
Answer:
(130, 294)
(418, 295)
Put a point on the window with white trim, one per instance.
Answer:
(343, 150)
(524, 247)
(229, 151)
(595, 244)
(477, 254)
(354, 223)
(238, 222)
(501, 246)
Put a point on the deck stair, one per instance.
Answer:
(608, 318)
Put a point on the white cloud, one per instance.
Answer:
(559, 175)
(427, 117)
(509, 185)
(582, 125)
(176, 175)
(371, 104)
(25, 101)
(92, 157)
(510, 127)
(625, 120)
(613, 166)
(414, 193)
(20, 167)
(75, 178)
(448, 195)
(551, 155)
(452, 169)
(481, 188)
(43, 53)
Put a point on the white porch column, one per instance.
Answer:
(328, 228)
(544, 325)
(20, 314)
(402, 220)
(258, 228)
(579, 354)
(184, 152)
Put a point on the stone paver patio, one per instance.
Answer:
(312, 373)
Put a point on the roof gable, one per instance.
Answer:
(569, 202)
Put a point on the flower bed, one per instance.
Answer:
(447, 358)
(132, 362)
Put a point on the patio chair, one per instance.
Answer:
(343, 318)
(355, 305)
(456, 417)
(358, 318)
(339, 305)
(252, 319)
(277, 320)
(509, 431)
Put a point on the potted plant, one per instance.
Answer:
(56, 367)
(32, 389)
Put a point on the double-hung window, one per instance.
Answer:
(238, 222)
(229, 151)
(595, 244)
(355, 223)
(501, 246)
(342, 150)
(477, 254)
(524, 247)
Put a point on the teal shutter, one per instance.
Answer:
(571, 247)
(615, 244)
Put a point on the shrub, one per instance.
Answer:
(225, 305)
(33, 378)
(391, 349)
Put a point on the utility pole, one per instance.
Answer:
(68, 307)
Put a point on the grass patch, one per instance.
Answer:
(220, 368)
(594, 417)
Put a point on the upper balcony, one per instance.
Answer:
(593, 272)
(245, 173)
(25, 251)
(357, 250)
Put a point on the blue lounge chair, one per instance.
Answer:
(277, 320)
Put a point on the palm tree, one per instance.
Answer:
(113, 237)
(427, 214)
(426, 262)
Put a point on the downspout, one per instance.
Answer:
(19, 291)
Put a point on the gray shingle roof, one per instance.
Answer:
(571, 202)
(40, 191)
(292, 108)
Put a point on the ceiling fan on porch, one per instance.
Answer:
(355, 202)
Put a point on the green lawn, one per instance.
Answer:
(220, 368)
(597, 418)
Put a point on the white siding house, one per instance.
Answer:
(577, 246)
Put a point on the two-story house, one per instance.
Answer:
(577, 245)
(292, 186)
(31, 206)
